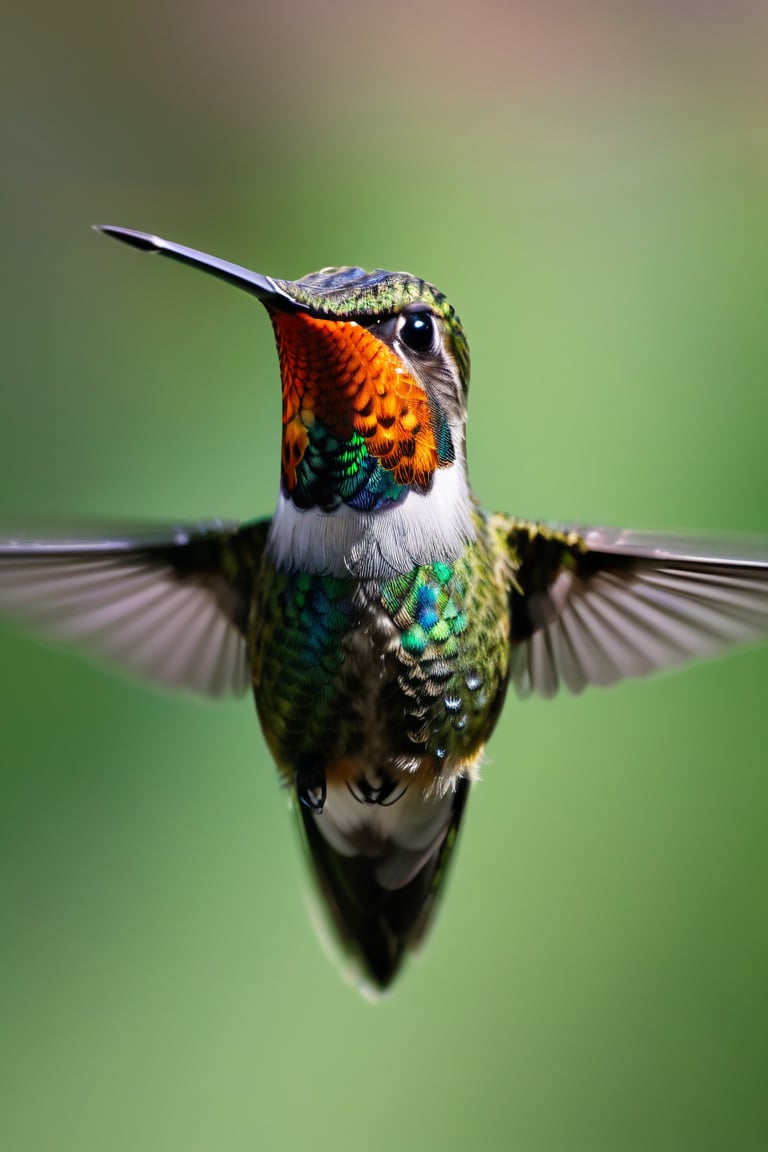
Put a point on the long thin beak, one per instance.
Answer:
(264, 288)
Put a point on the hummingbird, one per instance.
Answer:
(379, 616)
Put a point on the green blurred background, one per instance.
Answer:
(589, 184)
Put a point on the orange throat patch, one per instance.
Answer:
(339, 374)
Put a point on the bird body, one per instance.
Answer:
(376, 695)
(402, 674)
(380, 614)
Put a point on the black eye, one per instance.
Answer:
(417, 330)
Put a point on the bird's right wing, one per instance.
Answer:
(168, 605)
(595, 606)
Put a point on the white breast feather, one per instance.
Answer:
(420, 529)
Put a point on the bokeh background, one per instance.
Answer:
(589, 184)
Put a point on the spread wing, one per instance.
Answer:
(595, 606)
(170, 606)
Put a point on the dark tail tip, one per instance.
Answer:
(379, 925)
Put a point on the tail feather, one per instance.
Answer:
(382, 899)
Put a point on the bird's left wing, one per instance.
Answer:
(169, 605)
(595, 606)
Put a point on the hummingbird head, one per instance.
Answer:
(374, 369)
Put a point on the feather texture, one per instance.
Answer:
(169, 606)
(597, 607)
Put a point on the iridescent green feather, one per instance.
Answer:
(297, 645)
(453, 653)
(439, 685)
